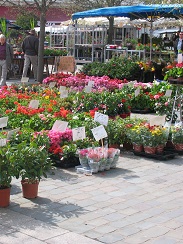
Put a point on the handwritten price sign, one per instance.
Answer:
(34, 104)
(101, 118)
(99, 132)
(60, 125)
(3, 122)
(78, 133)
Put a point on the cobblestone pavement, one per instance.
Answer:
(141, 201)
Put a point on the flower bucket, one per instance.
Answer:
(4, 197)
(84, 162)
(178, 146)
(108, 163)
(115, 159)
(160, 149)
(138, 148)
(94, 166)
(29, 190)
(102, 164)
(150, 150)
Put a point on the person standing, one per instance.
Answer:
(30, 49)
(178, 44)
(6, 58)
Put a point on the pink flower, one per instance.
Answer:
(166, 103)
(156, 97)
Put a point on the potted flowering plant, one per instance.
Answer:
(6, 174)
(152, 137)
(135, 135)
(83, 157)
(175, 72)
(177, 137)
(31, 162)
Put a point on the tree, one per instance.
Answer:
(41, 8)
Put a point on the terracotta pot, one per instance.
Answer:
(5, 197)
(123, 116)
(150, 150)
(138, 148)
(160, 149)
(178, 146)
(114, 146)
(30, 190)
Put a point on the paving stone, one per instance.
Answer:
(163, 240)
(17, 236)
(71, 238)
(111, 237)
(155, 231)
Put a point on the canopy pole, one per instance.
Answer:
(151, 34)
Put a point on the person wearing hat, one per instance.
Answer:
(6, 58)
(30, 49)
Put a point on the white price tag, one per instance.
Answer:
(60, 125)
(168, 93)
(52, 84)
(137, 92)
(91, 83)
(11, 133)
(64, 94)
(158, 120)
(3, 122)
(24, 79)
(2, 142)
(99, 132)
(87, 89)
(34, 104)
(62, 89)
(101, 118)
(78, 133)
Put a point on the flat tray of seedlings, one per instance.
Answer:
(141, 111)
(166, 155)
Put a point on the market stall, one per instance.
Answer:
(150, 12)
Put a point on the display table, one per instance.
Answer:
(178, 100)
(18, 64)
(109, 52)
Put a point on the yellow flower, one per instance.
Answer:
(47, 97)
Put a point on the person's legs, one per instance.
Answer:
(34, 61)
(4, 72)
(26, 65)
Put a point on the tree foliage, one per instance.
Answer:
(24, 20)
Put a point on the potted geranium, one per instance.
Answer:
(175, 74)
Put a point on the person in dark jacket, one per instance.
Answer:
(30, 49)
(178, 44)
(6, 58)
